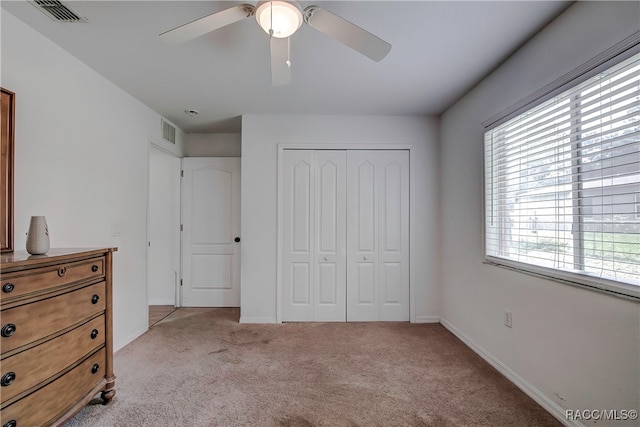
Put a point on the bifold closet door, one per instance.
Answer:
(314, 235)
(378, 235)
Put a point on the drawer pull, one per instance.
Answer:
(95, 299)
(8, 379)
(62, 271)
(95, 368)
(10, 423)
(8, 288)
(8, 330)
(94, 334)
(94, 268)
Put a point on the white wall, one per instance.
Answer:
(213, 145)
(576, 348)
(260, 138)
(80, 159)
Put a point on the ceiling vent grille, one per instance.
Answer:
(57, 11)
(168, 132)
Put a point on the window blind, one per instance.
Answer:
(562, 180)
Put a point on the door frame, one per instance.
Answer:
(154, 146)
(280, 210)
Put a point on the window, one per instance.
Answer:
(562, 184)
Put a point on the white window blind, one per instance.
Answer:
(562, 182)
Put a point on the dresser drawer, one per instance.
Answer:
(48, 403)
(31, 322)
(32, 366)
(39, 279)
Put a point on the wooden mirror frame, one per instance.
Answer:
(7, 111)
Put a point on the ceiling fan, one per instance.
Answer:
(280, 19)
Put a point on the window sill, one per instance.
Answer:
(609, 287)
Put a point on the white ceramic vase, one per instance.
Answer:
(38, 236)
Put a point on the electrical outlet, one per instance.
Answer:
(507, 319)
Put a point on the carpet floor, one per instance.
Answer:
(200, 367)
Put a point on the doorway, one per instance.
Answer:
(163, 228)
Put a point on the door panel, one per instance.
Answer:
(328, 281)
(297, 217)
(301, 208)
(365, 281)
(365, 216)
(314, 240)
(330, 224)
(213, 189)
(211, 221)
(362, 218)
(393, 232)
(391, 201)
(211, 271)
(327, 220)
(391, 273)
(378, 236)
(301, 284)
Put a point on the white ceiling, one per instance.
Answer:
(440, 50)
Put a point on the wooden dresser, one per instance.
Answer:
(56, 339)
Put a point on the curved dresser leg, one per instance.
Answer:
(109, 392)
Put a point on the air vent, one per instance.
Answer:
(57, 11)
(168, 131)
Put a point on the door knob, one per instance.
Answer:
(237, 239)
(325, 258)
(364, 258)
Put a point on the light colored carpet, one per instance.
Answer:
(199, 367)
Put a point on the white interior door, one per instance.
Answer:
(211, 226)
(163, 232)
(314, 235)
(378, 235)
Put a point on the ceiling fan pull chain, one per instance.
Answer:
(271, 20)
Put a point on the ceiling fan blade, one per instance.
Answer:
(207, 24)
(346, 32)
(280, 69)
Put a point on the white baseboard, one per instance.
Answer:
(118, 344)
(165, 301)
(244, 319)
(552, 407)
(427, 319)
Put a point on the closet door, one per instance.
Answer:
(330, 268)
(314, 235)
(378, 235)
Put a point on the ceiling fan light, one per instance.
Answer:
(283, 17)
